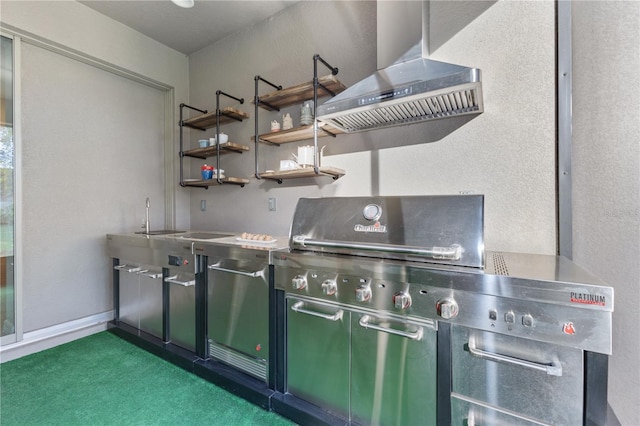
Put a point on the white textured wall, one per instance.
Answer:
(78, 166)
(606, 176)
(507, 153)
(70, 172)
(75, 26)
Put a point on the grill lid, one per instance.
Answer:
(437, 229)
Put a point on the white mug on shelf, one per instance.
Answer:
(305, 155)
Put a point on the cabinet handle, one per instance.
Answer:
(154, 275)
(174, 280)
(127, 268)
(413, 335)
(552, 369)
(298, 307)
(256, 274)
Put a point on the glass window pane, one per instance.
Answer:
(7, 176)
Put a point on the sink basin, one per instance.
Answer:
(205, 235)
(160, 232)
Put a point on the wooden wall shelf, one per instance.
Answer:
(211, 182)
(211, 151)
(208, 120)
(302, 92)
(306, 172)
(296, 134)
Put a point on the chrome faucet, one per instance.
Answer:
(147, 225)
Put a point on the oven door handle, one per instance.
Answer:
(256, 274)
(413, 335)
(453, 252)
(153, 275)
(127, 268)
(298, 307)
(552, 369)
(174, 280)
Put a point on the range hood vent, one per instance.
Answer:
(409, 91)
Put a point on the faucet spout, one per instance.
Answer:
(147, 224)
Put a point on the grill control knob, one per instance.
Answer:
(447, 308)
(299, 282)
(402, 300)
(363, 293)
(329, 287)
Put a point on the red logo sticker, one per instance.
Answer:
(568, 328)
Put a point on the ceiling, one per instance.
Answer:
(188, 30)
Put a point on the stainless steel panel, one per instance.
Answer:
(318, 356)
(182, 311)
(466, 412)
(505, 375)
(564, 295)
(253, 366)
(152, 250)
(129, 297)
(238, 306)
(401, 222)
(150, 309)
(393, 377)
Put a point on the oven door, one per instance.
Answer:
(532, 381)
(393, 371)
(238, 314)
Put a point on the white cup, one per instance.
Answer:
(305, 155)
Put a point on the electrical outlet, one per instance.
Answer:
(272, 204)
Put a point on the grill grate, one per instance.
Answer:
(428, 108)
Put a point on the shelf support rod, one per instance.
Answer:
(316, 84)
(241, 100)
(181, 123)
(256, 101)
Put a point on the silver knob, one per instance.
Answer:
(402, 300)
(299, 282)
(447, 308)
(363, 293)
(329, 287)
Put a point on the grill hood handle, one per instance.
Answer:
(453, 252)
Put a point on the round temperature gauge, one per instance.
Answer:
(372, 212)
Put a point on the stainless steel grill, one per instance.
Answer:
(387, 272)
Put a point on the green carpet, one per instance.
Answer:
(104, 380)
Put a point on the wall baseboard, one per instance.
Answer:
(49, 337)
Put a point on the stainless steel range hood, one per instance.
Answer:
(412, 90)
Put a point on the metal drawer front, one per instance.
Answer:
(182, 310)
(318, 355)
(536, 380)
(129, 294)
(151, 301)
(393, 372)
